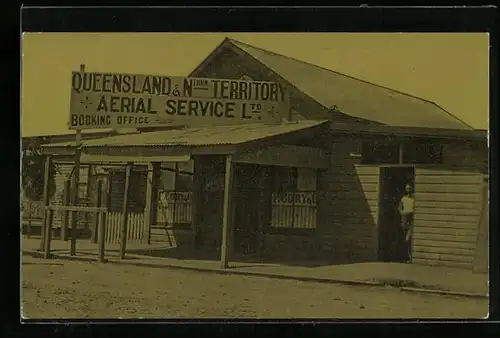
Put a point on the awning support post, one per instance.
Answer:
(65, 217)
(150, 209)
(101, 224)
(46, 177)
(196, 202)
(124, 219)
(227, 211)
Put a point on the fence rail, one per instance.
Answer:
(137, 231)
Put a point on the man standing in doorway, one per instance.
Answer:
(405, 208)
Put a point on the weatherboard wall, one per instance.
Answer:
(447, 215)
(448, 207)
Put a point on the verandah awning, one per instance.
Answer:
(90, 159)
(177, 145)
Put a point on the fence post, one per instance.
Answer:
(95, 216)
(124, 218)
(101, 222)
(46, 176)
(65, 218)
(48, 233)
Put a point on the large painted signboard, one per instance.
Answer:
(109, 100)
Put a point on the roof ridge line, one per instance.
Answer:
(352, 77)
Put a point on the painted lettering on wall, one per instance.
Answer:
(294, 198)
(175, 196)
(105, 100)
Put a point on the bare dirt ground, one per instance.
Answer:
(69, 289)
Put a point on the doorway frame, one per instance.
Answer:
(261, 218)
(380, 183)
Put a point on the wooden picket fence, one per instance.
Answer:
(137, 231)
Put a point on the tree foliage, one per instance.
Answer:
(32, 172)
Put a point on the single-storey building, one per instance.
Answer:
(323, 185)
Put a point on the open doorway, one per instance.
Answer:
(393, 246)
(251, 201)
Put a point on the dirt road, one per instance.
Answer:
(68, 289)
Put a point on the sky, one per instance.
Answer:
(451, 69)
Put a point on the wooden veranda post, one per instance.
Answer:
(227, 211)
(101, 201)
(95, 216)
(65, 218)
(48, 233)
(150, 209)
(46, 177)
(196, 199)
(76, 182)
(124, 219)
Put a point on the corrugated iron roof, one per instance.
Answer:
(90, 132)
(352, 96)
(88, 158)
(202, 136)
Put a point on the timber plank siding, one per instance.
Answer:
(481, 253)
(447, 215)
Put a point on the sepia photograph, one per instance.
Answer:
(254, 176)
